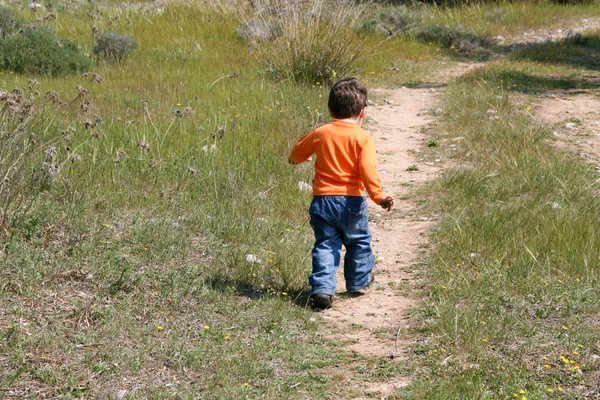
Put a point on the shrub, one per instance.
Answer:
(398, 19)
(317, 41)
(37, 50)
(448, 37)
(113, 46)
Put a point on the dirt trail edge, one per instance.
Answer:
(370, 323)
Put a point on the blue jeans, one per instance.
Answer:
(338, 220)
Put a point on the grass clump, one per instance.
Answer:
(113, 47)
(317, 42)
(38, 50)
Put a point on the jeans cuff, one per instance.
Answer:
(356, 288)
(330, 292)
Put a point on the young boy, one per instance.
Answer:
(346, 165)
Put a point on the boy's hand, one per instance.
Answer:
(387, 203)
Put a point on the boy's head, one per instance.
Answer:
(347, 99)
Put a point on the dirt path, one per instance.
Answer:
(369, 324)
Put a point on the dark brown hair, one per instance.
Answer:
(347, 98)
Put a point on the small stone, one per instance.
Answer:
(570, 125)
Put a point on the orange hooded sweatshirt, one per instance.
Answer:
(346, 161)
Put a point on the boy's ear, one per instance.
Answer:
(363, 112)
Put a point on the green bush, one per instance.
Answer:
(37, 50)
(113, 46)
(450, 38)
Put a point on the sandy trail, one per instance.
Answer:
(369, 324)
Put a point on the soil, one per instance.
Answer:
(576, 120)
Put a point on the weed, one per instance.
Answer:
(412, 168)
(433, 143)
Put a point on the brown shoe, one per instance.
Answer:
(322, 301)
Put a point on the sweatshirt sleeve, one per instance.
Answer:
(303, 149)
(368, 170)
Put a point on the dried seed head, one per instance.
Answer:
(85, 106)
(144, 146)
(50, 171)
(121, 153)
(192, 171)
(98, 120)
(219, 133)
(75, 158)
(82, 91)
(52, 96)
(50, 153)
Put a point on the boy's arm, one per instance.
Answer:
(368, 172)
(303, 149)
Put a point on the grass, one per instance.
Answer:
(130, 272)
(513, 279)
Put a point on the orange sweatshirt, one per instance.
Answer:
(346, 161)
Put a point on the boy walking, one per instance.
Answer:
(345, 167)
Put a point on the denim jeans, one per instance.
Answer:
(338, 220)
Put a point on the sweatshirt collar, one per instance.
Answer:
(340, 122)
